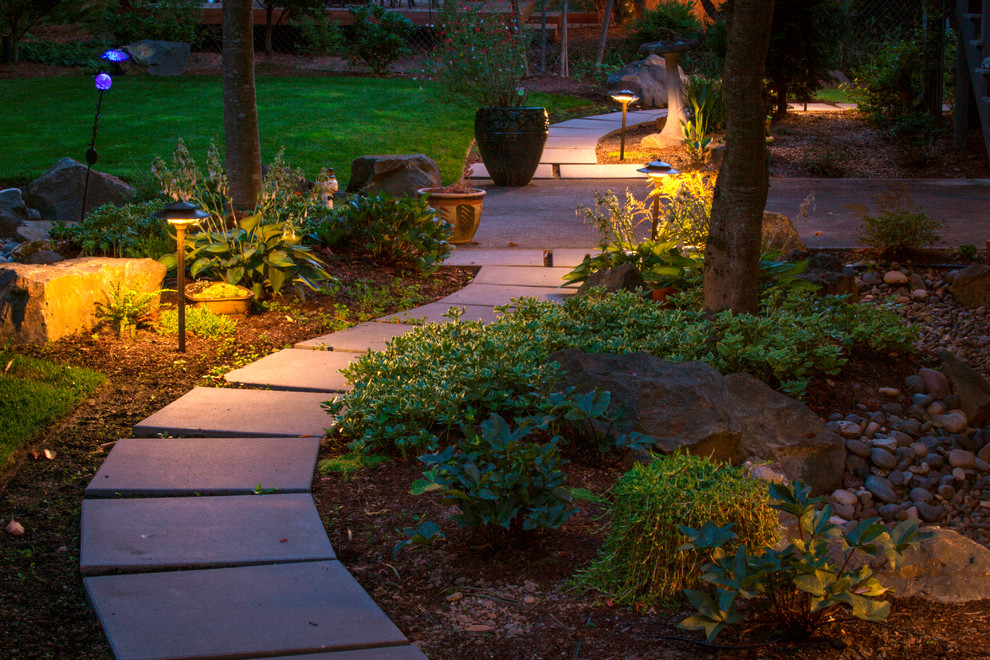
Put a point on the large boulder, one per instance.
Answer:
(159, 58)
(971, 388)
(43, 303)
(13, 212)
(57, 194)
(971, 286)
(948, 568)
(647, 79)
(395, 175)
(621, 278)
(778, 234)
(689, 405)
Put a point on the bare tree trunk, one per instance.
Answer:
(606, 17)
(269, 10)
(732, 255)
(710, 9)
(240, 107)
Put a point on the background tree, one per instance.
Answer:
(287, 9)
(17, 17)
(732, 254)
(240, 106)
(804, 45)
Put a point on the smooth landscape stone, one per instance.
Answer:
(358, 339)
(881, 488)
(960, 458)
(408, 652)
(248, 611)
(199, 532)
(883, 459)
(212, 466)
(230, 413)
(434, 313)
(296, 370)
(493, 294)
(857, 447)
(521, 276)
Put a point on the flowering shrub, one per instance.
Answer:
(481, 56)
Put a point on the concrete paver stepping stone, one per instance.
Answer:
(357, 339)
(600, 122)
(231, 413)
(434, 313)
(521, 276)
(604, 171)
(208, 466)
(632, 117)
(297, 370)
(562, 257)
(390, 653)
(238, 612)
(580, 141)
(559, 156)
(495, 294)
(188, 532)
(543, 171)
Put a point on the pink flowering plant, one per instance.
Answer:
(482, 55)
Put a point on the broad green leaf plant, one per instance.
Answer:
(805, 583)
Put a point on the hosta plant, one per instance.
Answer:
(805, 583)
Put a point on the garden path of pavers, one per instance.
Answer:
(182, 560)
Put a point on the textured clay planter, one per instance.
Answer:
(238, 305)
(511, 142)
(462, 210)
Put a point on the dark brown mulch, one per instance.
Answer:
(825, 144)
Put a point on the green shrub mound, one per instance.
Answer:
(640, 562)
(430, 381)
(120, 231)
(199, 321)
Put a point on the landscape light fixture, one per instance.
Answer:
(103, 82)
(180, 215)
(656, 170)
(625, 97)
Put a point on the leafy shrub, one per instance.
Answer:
(320, 34)
(915, 133)
(695, 131)
(160, 20)
(121, 231)
(677, 16)
(257, 255)
(714, 109)
(890, 82)
(199, 321)
(429, 381)
(803, 585)
(379, 36)
(897, 224)
(393, 230)
(70, 53)
(640, 562)
(502, 483)
(968, 251)
(589, 427)
(125, 309)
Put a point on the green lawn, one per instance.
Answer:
(321, 121)
(34, 393)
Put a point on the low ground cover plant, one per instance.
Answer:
(199, 321)
(120, 231)
(641, 562)
(418, 392)
(896, 224)
(34, 393)
(804, 583)
(125, 309)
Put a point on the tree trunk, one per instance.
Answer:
(780, 103)
(711, 10)
(269, 10)
(606, 17)
(240, 107)
(732, 254)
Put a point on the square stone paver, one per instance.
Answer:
(208, 466)
(298, 370)
(190, 532)
(407, 652)
(434, 313)
(578, 141)
(494, 294)
(521, 276)
(608, 171)
(248, 611)
(543, 171)
(558, 156)
(358, 339)
(598, 123)
(468, 257)
(230, 413)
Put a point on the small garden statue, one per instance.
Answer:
(328, 187)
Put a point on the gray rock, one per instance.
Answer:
(881, 488)
(871, 278)
(857, 447)
(903, 439)
(967, 383)
(884, 442)
(952, 422)
(844, 428)
(946, 491)
(857, 466)
(960, 458)
(395, 175)
(948, 568)
(735, 418)
(159, 58)
(57, 194)
(922, 400)
(883, 459)
(971, 286)
(647, 79)
(920, 495)
(935, 382)
(622, 278)
(914, 384)
(45, 257)
(929, 512)
(896, 278)
(35, 230)
(12, 212)
(842, 496)
(844, 511)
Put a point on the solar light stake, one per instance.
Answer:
(625, 97)
(180, 215)
(102, 83)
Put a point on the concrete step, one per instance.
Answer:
(361, 338)
(207, 466)
(494, 294)
(434, 313)
(296, 370)
(231, 413)
(521, 276)
(243, 612)
(562, 257)
(199, 532)
(605, 171)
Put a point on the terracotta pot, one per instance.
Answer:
(462, 210)
(239, 305)
(660, 293)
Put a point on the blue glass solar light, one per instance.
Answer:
(103, 82)
(115, 55)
